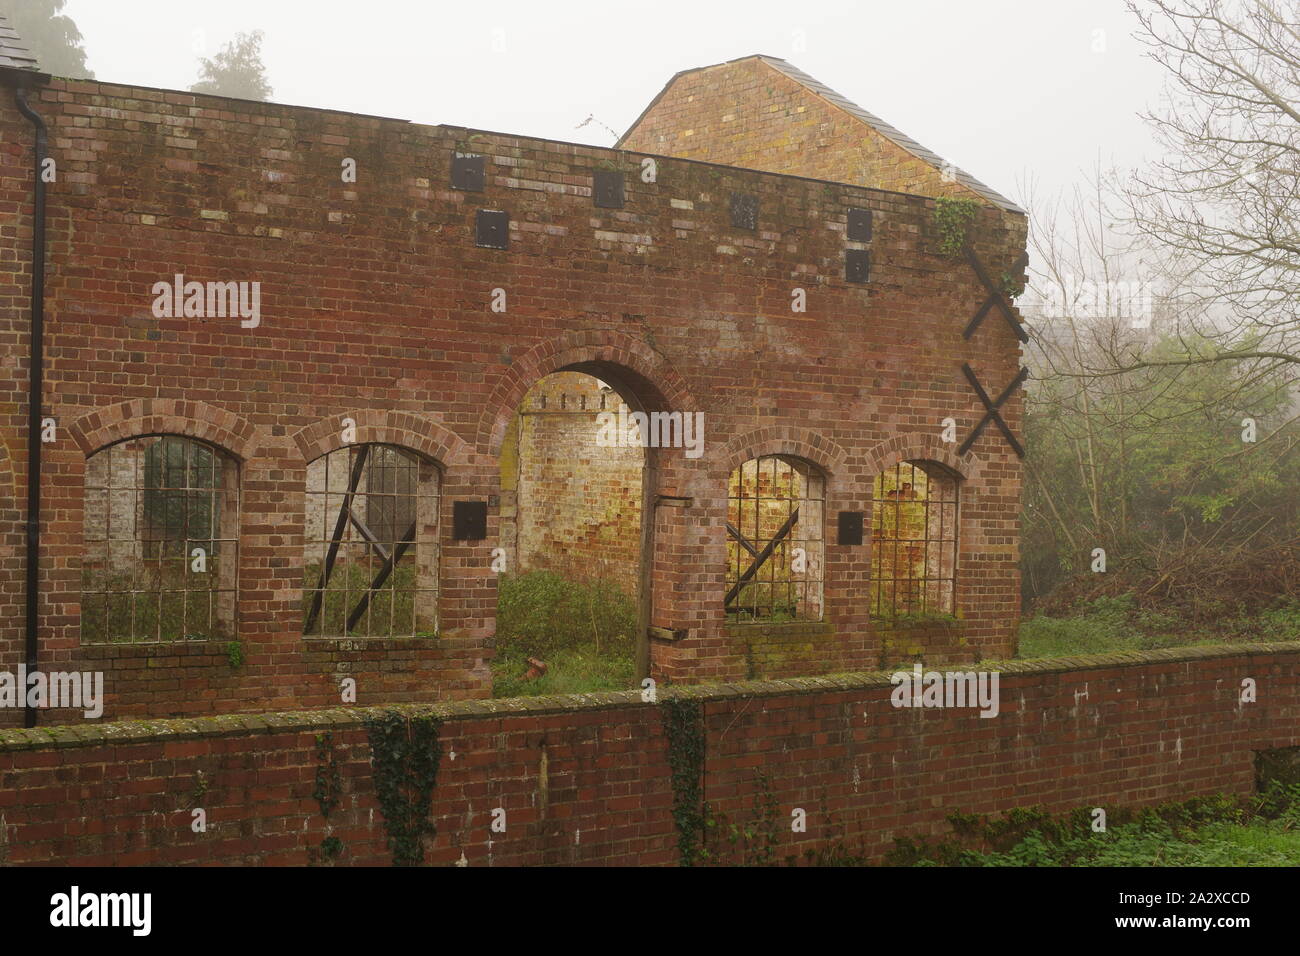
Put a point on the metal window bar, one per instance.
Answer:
(375, 574)
(914, 553)
(149, 503)
(774, 508)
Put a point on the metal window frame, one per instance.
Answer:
(148, 583)
(750, 506)
(932, 586)
(382, 556)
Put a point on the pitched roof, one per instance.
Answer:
(887, 130)
(13, 54)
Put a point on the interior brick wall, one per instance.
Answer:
(579, 502)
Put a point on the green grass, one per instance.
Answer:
(1259, 843)
(1260, 830)
(583, 630)
(1107, 625)
(575, 671)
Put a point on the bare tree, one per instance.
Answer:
(1224, 197)
(1142, 459)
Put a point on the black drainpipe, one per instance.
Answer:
(34, 392)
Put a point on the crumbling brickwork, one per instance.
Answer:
(387, 302)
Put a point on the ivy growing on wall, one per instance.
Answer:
(405, 755)
(951, 217)
(329, 783)
(684, 728)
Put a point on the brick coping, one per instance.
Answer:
(342, 718)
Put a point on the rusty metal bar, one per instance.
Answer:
(762, 557)
(408, 539)
(339, 526)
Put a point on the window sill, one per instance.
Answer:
(318, 643)
(822, 628)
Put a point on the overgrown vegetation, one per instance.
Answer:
(584, 632)
(1257, 830)
(391, 611)
(405, 755)
(684, 729)
(951, 219)
(1107, 624)
(152, 603)
(1163, 424)
(1152, 467)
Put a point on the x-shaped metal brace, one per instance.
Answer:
(991, 410)
(348, 515)
(996, 297)
(760, 557)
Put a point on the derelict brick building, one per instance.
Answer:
(755, 248)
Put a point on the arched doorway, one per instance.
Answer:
(577, 490)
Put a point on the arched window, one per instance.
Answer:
(371, 544)
(161, 542)
(914, 540)
(775, 543)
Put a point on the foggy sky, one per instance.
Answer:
(1001, 88)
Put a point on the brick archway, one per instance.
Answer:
(785, 440)
(921, 447)
(164, 416)
(654, 382)
(416, 432)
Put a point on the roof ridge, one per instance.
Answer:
(887, 130)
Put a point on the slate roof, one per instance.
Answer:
(13, 54)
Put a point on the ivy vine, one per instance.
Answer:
(330, 848)
(684, 728)
(329, 782)
(1012, 288)
(405, 755)
(754, 842)
(951, 217)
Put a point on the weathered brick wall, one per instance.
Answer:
(749, 113)
(377, 306)
(591, 784)
(578, 501)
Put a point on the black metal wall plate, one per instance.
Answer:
(467, 172)
(492, 229)
(607, 189)
(744, 211)
(859, 225)
(857, 265)
(850, 529)
(469, 520)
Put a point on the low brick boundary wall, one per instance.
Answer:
(586, 779)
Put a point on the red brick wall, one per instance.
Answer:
(748, 113)
(376, 306)
(1109, 731)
